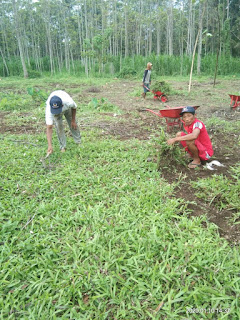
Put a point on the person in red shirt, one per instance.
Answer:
(196, 140)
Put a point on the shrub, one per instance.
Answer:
(127, 72)
(33, 74)
(11, 101)
(37, 95)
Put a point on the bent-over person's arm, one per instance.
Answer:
(49, 139)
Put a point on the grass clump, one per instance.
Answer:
(127, 72)
(13, 102)
(169, 156)
(102, 105)
(221, 125)
(39, 96)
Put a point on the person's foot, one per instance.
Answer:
(63, 150)
(194, 165)
(188, 156)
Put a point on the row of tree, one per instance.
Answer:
(54, 34)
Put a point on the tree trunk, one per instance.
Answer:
(170, 29)
(126, 29)
(158, 37)
(19, 38)
(219, 45)
(194, 50)
(200, 40)
(49, 46)
(4, 62)
(190, 30)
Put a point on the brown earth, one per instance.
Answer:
(139, 124)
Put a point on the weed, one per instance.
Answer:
(169, 156)
(221, 191)
(136, 92)
(222, 125)
(102, 105)
(37, 95)
(10, 102)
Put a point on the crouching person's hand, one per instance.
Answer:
(171, 141)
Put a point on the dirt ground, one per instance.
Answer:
(134, 122)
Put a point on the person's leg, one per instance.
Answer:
(195, 154)
(145, 90)
(58, 121)
(203, 153)
(184, 144)
(75, 132)
(192, 150)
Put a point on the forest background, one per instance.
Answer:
(114, 37)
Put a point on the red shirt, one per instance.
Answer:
(203, 136)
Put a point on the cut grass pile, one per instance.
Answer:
(160, 85)
(169, 156)
(96, 233)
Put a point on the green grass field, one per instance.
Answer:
(96, 233)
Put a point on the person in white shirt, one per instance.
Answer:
(59, 103)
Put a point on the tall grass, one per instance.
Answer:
(163, 65)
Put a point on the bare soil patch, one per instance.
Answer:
(30, 128)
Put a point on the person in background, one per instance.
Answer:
(59, 103)
(146, 79)
(196, 140)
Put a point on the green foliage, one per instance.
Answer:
(10, 101)
(227, 38)
(95, 233)
(163, 65)
(136, 92)
(221, 191)
(127, 72)
(217, 124)
(5, 104)
(169, 156)
(102, 105)
(33, 74)
(37, 95)
(77, 237)
(160, 85)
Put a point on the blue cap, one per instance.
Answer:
(56, 105)
(187, 109)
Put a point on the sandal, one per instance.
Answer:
(193, 165)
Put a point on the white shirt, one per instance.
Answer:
(67, 104)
